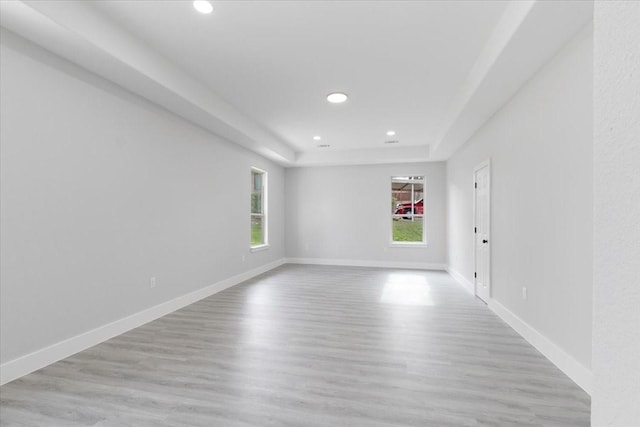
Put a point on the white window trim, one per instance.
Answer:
(408, 244)
(424, 243)
(265, 213)
(258, 248)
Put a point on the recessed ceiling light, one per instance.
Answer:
(316, 138)
(391, 133)
(202, 6)
(337, 97)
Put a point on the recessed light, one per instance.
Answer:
(391, 133)
(316, 138)
(337, 97)
(203, 6)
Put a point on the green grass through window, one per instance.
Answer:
(256, 233)
(407, 231)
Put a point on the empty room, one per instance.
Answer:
(320, 213)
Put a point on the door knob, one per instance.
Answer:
(485, 241)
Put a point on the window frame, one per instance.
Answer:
(423, 182)
(264, 207)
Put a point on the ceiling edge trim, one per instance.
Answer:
(80, 34)
(528, 36)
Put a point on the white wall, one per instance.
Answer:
(102, 190)
(540, 146)
(616, 328)
(342, 213)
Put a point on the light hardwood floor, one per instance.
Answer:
(309, 346)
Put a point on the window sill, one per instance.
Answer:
(408, 245)
(259, 248)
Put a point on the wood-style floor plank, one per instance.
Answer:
(309, 346)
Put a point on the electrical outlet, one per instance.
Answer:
(152, 282)
(524, 293)
(244, 257)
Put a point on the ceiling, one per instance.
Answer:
(401, 63)
(258, 72)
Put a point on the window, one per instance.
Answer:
(258, 208)
(407, 210)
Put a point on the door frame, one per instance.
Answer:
(487, 164)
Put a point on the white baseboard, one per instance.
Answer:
(580, 374)
(24, 365)
(467, 285)
(367, 263)
(39, 359)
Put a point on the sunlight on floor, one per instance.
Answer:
(406, 289)
(261, 325)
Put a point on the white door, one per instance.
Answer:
(482, 222)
